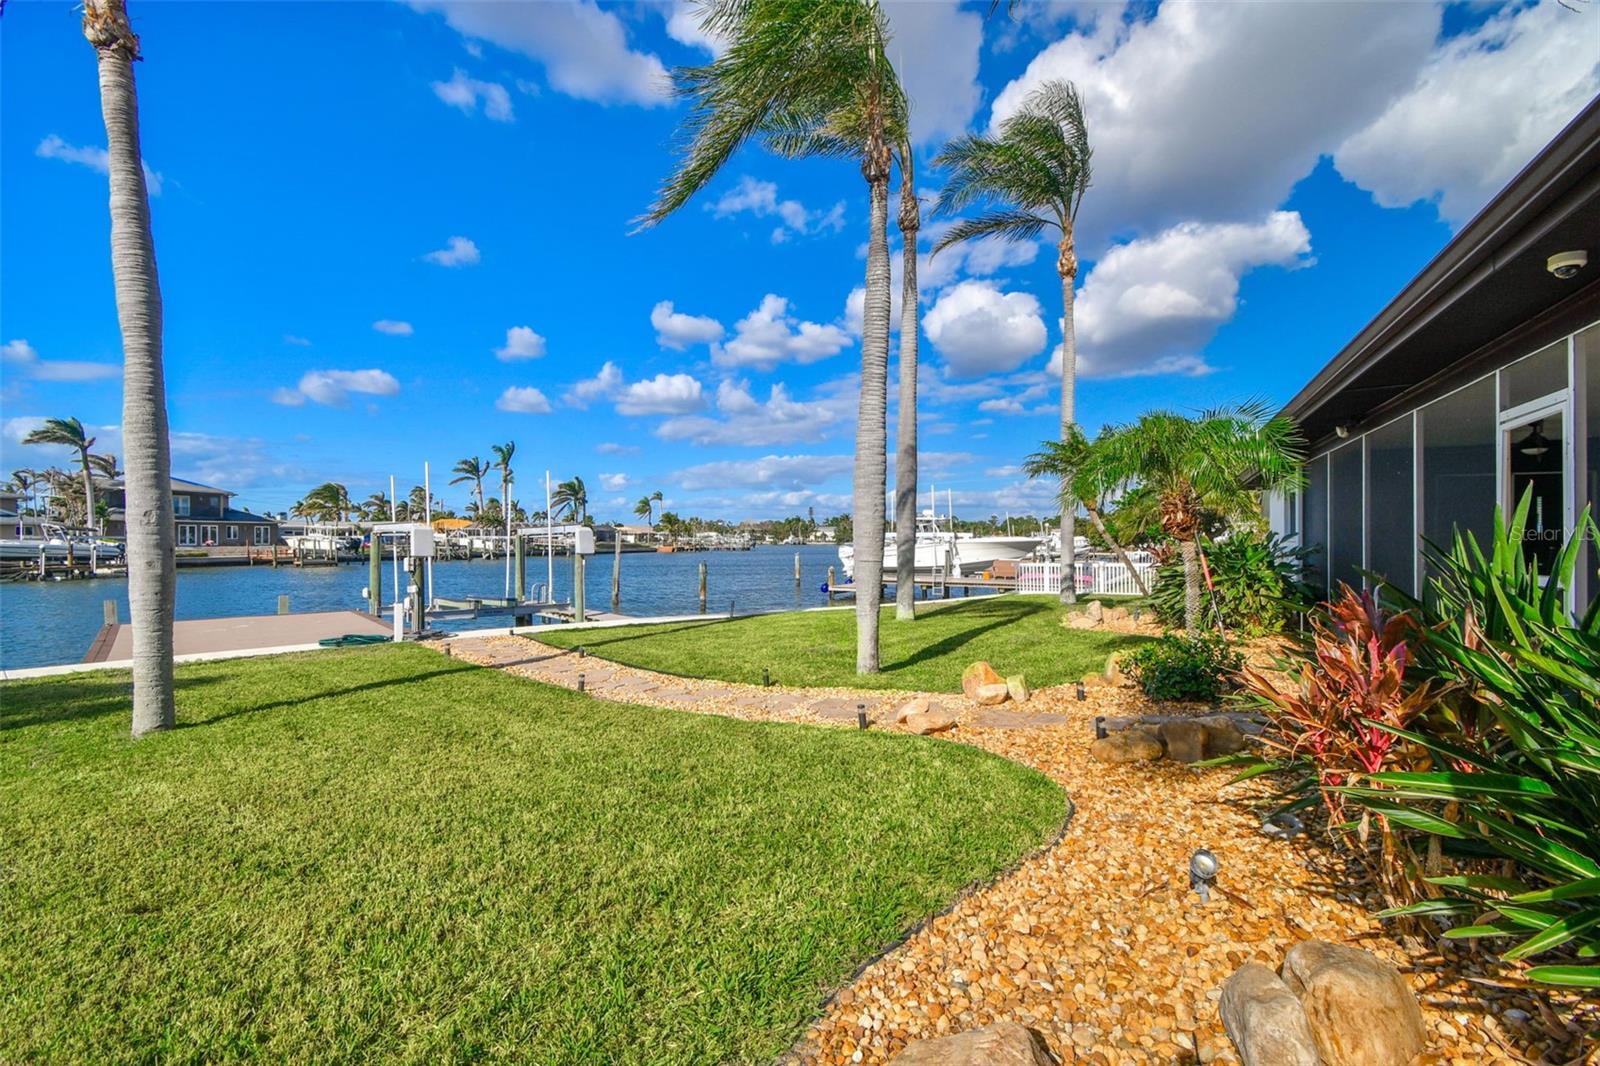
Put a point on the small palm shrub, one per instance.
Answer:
(1257, 581)
(1179, 668)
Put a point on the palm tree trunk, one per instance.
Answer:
(1191, 588)
(1067, 264)
(1116, 546)
(872, 416)
(88, 490)
(905, 462)
(152, 574)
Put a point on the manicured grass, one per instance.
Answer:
(385, 855)
(1017, 634)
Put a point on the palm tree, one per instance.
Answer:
(645, 509)
(905, 461)
(328, 502)
(375, 508)
(1217, 462)
(571, 499)
(1030, 178)
(1069, 462)
(105, 466)
(27, 482)
(503, 454)
(69, 433)
(811, 79)
(152, 573)
(474, 470)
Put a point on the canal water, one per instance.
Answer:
(48, 622)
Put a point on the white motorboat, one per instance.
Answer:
(940, 551)
(57, 545)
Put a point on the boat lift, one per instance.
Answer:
(522, 611)
(416, 538)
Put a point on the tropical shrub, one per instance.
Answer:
(1257, 581)
(1181, 668)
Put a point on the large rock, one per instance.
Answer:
(1114, 674)
(979, 673)
(1096, 610)
(1223, 735)
(1130, 745)
(989, 695)
(1185, 740)
(1078, 620)
(927, 722)
(1000, 1044)
(1018, 688)
(1116, 615)
(920, 705)
(1361, 1010)
(1265, 1021)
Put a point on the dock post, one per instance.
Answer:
(414, 571)
(578, 614)
(109, 608)
(616, 569)
(830, 584)
(283, 604)
(702, 588)
(374, 575)
(797, 570)
(519, 569)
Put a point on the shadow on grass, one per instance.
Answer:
(76, 700)
(648, 631)
(1001, 619)
(332, 693)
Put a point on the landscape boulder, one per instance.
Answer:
(919, 705)
(1361, 1010)
(1114, 674)
(989, 695)
(1130, 745)
(1000, 1044)
(1079, 620)
(1265, 1021)
(926, 722)
(1223, 736)
(1185, 739)
(1116, 616)
(979, 673)
(1017, 686)
(1096, 610)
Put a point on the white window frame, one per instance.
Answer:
(181, 506)
(261, 536)
(232, 534)
(209, 533)
(188, 535)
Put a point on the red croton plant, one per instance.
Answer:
(1352, 681)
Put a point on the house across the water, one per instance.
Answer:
(1478, 383)
(205, 516)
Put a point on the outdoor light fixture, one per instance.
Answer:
(580, 682)
(1566, 265)
(1535, 443)
(861, 715)
(1341, 431)
(1099, 727)
(766, 677)
(582, 651)
(1203, 873)
(1137, 611)
(1082, 695)
(448, 652)
(1282, 826)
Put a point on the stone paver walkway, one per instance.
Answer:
(1096, 941)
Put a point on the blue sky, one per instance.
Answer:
(393, 233)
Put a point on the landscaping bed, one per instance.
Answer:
(387, 854)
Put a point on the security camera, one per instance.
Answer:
(1566, 264)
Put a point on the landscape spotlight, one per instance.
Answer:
(1203, 873)
(766, 677)
(861, 715)
(580, 682)
(1082, 695)
(582, 651)
(1099, 727)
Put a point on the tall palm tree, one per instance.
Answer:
(1217, 462)
(27, 482)
(151, 533)
(905, 460)
(1030, 178)
(69, 433)
(474, 470)
(811, 79)
(571, 499)
(375, 508)
(503, 454)
(1070, 463)
(645, 509)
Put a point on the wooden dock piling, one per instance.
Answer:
(109, 610)
(702, 588)
(616, 570)
(519, 568)
(374, 575)
(797, 570)
(831, 583)
(578, 613)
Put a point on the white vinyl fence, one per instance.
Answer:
(1104, 577)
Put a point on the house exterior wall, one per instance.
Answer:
(1446, 456)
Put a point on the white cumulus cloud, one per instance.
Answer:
(521, 343)
(980, 329)
(790, 472)
(743, 420)
(457, 251)
(332, 388)
(664, 394)
(935, 48)
(393, 327)
(464, 93)
(760, 198)
(602, 386)
(769, 335)
(53, 147)
(678, 331)
(614, 482)
(20, 358)
(523, 400)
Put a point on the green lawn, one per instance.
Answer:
(1017, 634)
(385, 855)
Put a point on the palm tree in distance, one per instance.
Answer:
(503, 454)
(105, 466)
(571, 500)
(810, 79)
(1070, 463)
(474, 470)
(1030, 178)
(645, 508)
(69, 433)
(1217, 462)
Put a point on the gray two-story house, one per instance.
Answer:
(204, 515)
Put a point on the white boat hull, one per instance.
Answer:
(939, 553)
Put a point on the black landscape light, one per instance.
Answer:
(766, 677)
(582, 651)
(1099, 727)
(861, 715)
(1082, 695)
(580, 682)
(1203, 873)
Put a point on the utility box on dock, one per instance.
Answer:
(421, 542)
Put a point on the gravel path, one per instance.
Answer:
(1095, 941)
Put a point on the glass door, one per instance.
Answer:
(1535, 447)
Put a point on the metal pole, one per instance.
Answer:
(616, 568)
(505, 505)
(578, 614)
(427, 510)
(549, 544)
(374, 574)
(702, 588)
(796, 569)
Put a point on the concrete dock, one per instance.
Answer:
(245, 633)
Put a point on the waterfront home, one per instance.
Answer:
(205, 516)
(1478, 382)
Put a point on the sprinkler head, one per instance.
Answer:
(766, 677)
